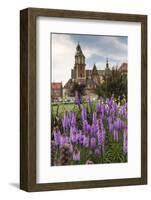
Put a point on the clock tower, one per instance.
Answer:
(79, 66)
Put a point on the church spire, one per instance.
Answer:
(94, 66)
(94, 70)
(79, 56)
(107, 63)
(78, 50)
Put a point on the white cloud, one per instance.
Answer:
(88, 52)
(103, 50)
(63, 51)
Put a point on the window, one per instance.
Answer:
(79, 60)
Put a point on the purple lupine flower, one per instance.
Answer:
(125, 141)
(57, 136)
(85, 141)
(73, 129)
(76, 155)
(122, 124)
(72, 119)
(124, 111)
(65, 121)
(115, 135)
(107, 109)
(102, 110)
(118, 124)
(64, 139)
(114, 107)
(94, 119)
(80, 138)
(77, 98)
(110, 101)
(97, 152)
(112, 111)
(99, 124)
(89, 128)
(93, 143)
(74, 136)
(93, 129)
(86, 126)
(109, 119)
(84, 113)
(101, 138)
(98, 107)
(118, 113)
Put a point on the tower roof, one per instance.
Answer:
(123, 67)
(56, 85)
(107, 63)
(107, 69)
(94, 67)
(94, 70)
(78, 50)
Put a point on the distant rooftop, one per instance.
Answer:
(56, 85)
(123, 67)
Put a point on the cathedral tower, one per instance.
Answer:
(79, 66)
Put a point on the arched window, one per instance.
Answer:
(79, 60)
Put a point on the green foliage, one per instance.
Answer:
(115, 84)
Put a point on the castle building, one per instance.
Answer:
(82, 76)
(56, 90)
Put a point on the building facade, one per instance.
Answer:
(56, 91)
(89, 78)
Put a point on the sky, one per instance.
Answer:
(95, 48)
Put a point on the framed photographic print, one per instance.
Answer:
(83, 93)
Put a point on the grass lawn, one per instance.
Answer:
(60, 108)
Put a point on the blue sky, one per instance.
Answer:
(95, 48)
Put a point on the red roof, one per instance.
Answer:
(56, 86)
(123, 67)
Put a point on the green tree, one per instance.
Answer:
(115, 84)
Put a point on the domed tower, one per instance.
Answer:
(79, 66)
